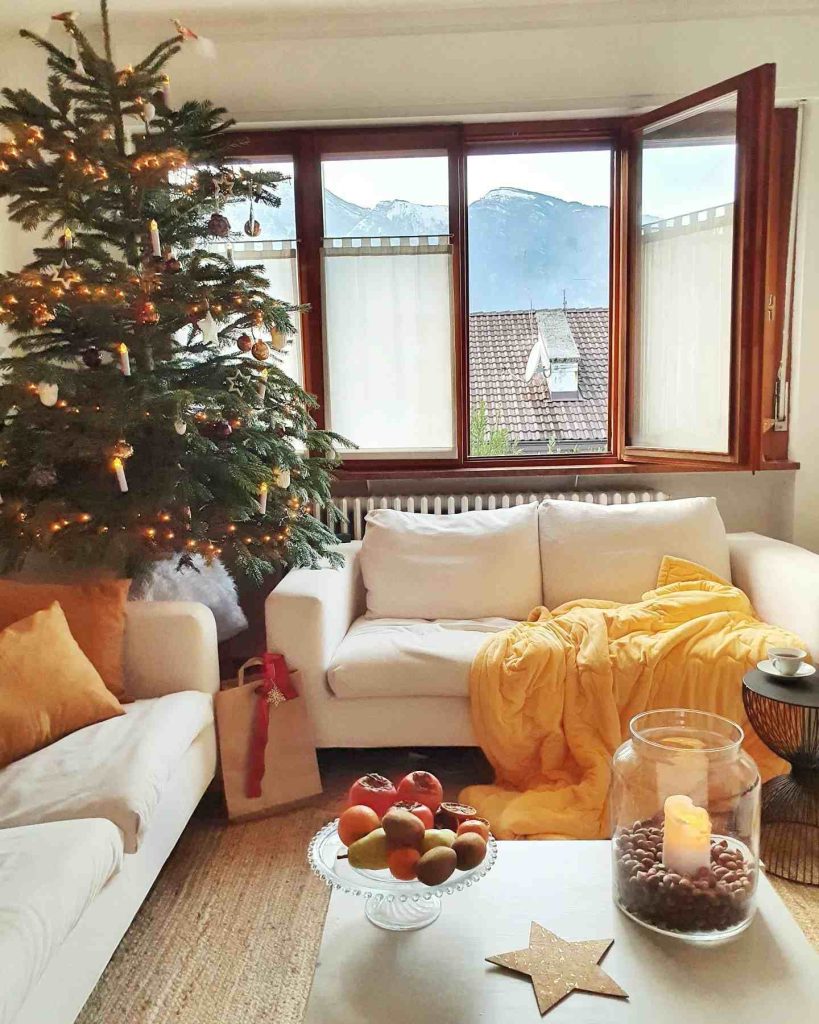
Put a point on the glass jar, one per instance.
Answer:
(685, 815)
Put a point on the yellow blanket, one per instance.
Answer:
(552, 697)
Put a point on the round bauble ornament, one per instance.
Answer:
(244, 343)
(180, 426)
(122, 450)
(92, 357)
(145, 312)
(48, 393)
(218, 430)
(219, 225)
(253, 228)
(260, 350)
(279, 340)
(172, 265)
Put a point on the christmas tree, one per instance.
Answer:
(144, 411)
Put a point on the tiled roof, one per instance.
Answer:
(499, 347)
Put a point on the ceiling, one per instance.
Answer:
(304, 18)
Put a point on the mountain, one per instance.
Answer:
(526, 249)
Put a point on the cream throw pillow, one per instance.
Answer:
(614, 552)
(469, 565)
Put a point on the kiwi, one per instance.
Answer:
(470, 850)
(437, 865)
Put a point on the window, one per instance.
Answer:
(539, 279)
(548, 295)
(387, 275)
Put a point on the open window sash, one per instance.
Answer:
(694, 215)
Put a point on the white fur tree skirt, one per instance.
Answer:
(211, 585)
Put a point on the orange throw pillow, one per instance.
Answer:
(95, 613)
(48, 688)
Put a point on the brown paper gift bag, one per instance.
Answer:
(286, 761)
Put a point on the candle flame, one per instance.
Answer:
(116, 463)
(122, 348)
(263, 488)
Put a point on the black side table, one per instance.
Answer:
(786, 717)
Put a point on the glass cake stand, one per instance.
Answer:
(389, 903)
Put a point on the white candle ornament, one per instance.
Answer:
(124, 359)
(156, 248)
(263, 498)
(148, 112)
(261, 387)
(68, 239)
(166, 88)
(686, 836)
(119, 469)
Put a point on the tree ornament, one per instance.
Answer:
(260, 350)
(253, 228)
(41, 315)
(92, 357)
(281, 478)
(122, 450)
(226, 183)
(218, 430)
(210, 331)
(279, 340)
(42, 476)
(180, 426)
(153, 231)
(119, 469)
(124, 359)
(48, 393)
(244, 343)
(148, 112)
(145, 312)
(238, 380)
(219, 225)
(66, 239)
(172, 265)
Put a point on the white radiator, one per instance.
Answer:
(354, 509)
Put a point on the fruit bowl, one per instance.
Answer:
(390, 903)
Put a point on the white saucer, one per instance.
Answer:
(804, 670)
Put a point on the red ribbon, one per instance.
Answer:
(276, 678)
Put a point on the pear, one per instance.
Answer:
(434, 837)
(403, 828)
(369, 853)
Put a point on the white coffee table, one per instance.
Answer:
(769, 975)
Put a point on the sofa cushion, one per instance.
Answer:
(48, 687)
(469, 565)
(408, 657)
(614, 552)
(95, 613)
(49, 876)
(115, 769)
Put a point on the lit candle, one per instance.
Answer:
(263, 498)
(156, 248)
(119, 469)
(686, 836)
(68, 238)
(166, 88)
(124, 359)
(261, 387)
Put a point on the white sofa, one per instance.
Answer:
(87, 823)
(388, 682)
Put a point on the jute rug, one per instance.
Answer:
(231, 930)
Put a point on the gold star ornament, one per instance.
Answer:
(558, 968)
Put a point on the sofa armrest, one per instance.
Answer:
(308, 615)
(782, 581)
(169, 646)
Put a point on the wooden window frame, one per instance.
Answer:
(307, 147)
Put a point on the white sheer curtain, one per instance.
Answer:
(683, 356)
(388, 330)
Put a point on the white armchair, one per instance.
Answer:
(310, 612)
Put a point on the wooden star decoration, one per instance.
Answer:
(238, 381)
(558, 968)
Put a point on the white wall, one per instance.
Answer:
(264, 78)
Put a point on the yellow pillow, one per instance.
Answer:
(48, 687)
(95, 613)
(679, 570)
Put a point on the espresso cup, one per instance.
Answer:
(786, 660)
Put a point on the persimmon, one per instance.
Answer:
(422, 788)
(478, 825)
(356, 822)
(403, 863)
(373, 791)
(419, 810)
